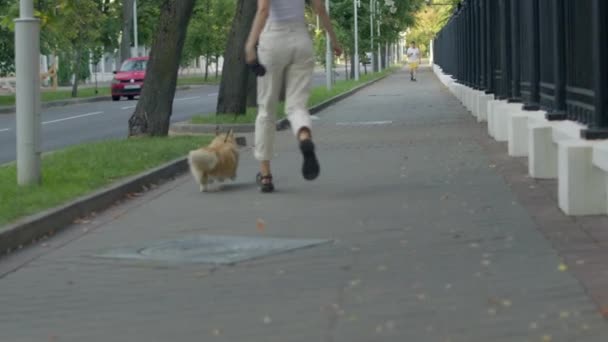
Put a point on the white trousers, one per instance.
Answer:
(286, 50)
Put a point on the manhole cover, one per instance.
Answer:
(211, 249)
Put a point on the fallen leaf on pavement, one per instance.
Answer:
(260, 225)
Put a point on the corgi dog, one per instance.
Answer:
(217, 161)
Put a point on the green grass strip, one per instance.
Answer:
(102, 90)
(82, 169)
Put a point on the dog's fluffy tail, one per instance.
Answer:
(202, 160)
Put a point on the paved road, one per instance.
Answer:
(75, 124)
(430, 244)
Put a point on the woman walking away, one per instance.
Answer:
(285, 50)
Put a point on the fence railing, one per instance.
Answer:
(546, 54)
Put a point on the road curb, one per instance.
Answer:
(47, 223)
(284, 123)
(186, 128)
(28, 230)
(63, 103)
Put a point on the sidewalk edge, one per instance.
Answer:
(28, 230)
(284, 123)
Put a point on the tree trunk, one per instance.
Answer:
(154, 108)
(206, 67)
(127, 25)
(76, 72)
(232, 96)
(365, 67)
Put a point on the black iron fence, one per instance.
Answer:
(546, 54)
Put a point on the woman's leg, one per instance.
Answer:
(269, 86)
(298, 83)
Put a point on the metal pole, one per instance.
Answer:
(598, 127)
(558, 112)
(533, 102)
(371, 29)
(515, 52)
(489, 35)
(356, 4)
(27, 63)
(328, 55)
(135, 32)
(379, 48)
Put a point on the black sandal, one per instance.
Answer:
(264, 182)
(310, 167)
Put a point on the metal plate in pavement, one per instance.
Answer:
(211, 249)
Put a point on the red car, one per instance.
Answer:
(129, 80)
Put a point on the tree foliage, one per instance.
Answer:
(208, 30)
(7, 46)
(395, 17)
(429, 21)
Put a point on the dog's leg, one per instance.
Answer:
(198, 177)
(236, 166)
(204, 182)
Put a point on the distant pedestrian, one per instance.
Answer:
(284, 49)
(413, 57)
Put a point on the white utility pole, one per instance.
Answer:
(371, 30)
(379, 48)
(27, 63)
(356, 4)
(432, 56)
(135, 32)
(328, 55)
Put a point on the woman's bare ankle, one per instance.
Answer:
(304, 134)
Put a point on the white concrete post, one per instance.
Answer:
(432, 54)
(27, 62)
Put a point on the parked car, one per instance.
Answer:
(129, 80)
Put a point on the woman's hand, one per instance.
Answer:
(250, 53)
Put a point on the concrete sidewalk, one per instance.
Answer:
(428, 243)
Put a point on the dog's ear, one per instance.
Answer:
(231, 132)
(228, 135)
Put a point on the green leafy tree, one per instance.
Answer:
(80, 23)
(7, 51)
(429, 21)
(208, 31)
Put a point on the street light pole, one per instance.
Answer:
(27, 63)
(356, 4)
(379, 47)
(328, 55)
(371, 29)
(135, 31)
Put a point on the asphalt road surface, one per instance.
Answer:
(65, 126)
